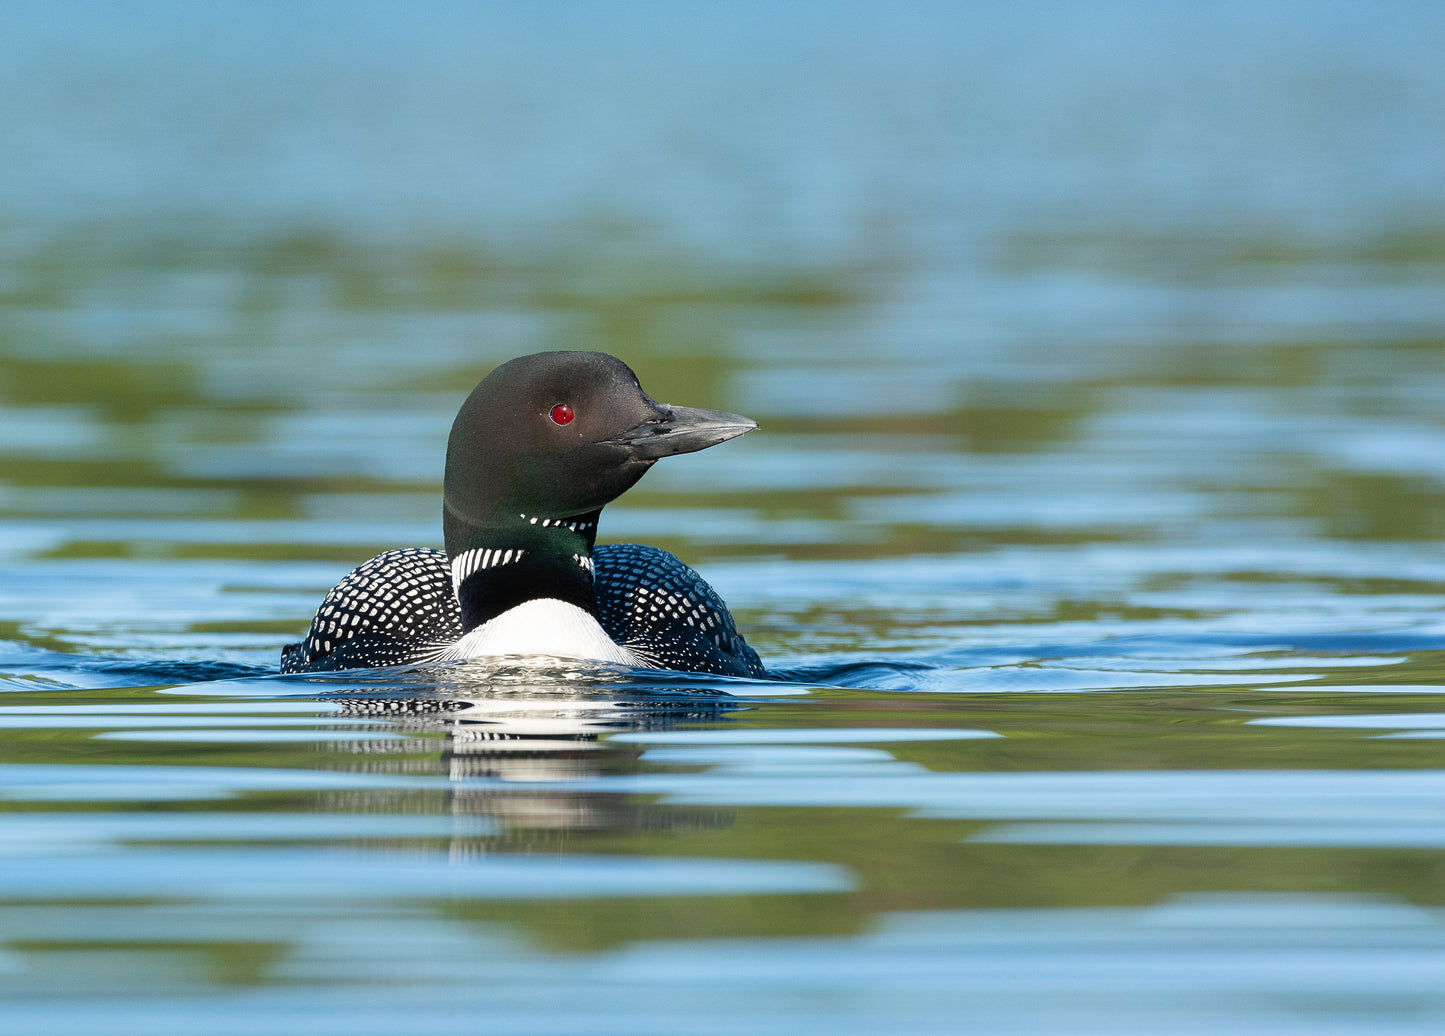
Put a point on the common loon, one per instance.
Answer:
(536, 451)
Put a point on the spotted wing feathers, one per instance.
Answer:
(664, 612)
(400, 608)
(397, 608)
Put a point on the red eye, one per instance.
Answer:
(562, 414)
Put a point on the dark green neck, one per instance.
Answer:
(507, 563)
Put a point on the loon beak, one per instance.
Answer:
(682, 429)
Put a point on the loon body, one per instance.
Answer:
(537, 450)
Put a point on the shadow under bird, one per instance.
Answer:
(536, 451)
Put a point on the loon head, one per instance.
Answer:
(537, 449)
(557, 435)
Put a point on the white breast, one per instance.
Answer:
(543, 626)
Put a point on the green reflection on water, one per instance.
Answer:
(1098, 360)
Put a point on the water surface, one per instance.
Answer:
(1092, 533)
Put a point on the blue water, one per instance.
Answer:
(1093, 533)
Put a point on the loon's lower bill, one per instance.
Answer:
(537, 450)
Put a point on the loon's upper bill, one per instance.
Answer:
(538, 448)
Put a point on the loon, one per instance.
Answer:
(536, 451)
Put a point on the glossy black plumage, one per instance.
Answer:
(667, 614)
(395, 609)
(399, 608)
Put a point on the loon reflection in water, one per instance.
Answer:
(494, 729)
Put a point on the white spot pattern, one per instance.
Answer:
(583, 527)
(404, 596)
(663, 611)
(401, 607)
